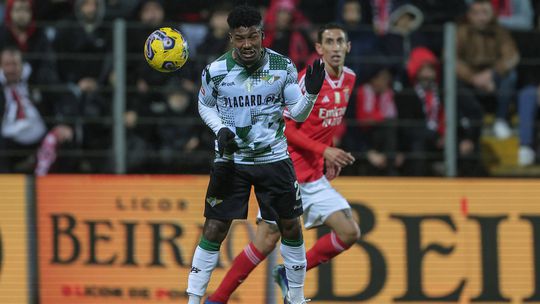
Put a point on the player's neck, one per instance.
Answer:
(333, 72)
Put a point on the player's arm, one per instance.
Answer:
(208, 103)
(209, 114)
(334, 156)
(299, 105)
(298, 139)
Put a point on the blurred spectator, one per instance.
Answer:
(285, 31)
(120, 9)
(487, 58)
(528, 97)
(22, 124)
(178, 135)
(83, 44)
(150, 15)
(421, 112)
(513, 14)
(362, 38)
(381, 12)
(84, 47)
(402, 37)
(147, 94)
(20, 30)
(375, 112)
(438, 12)
(216, 41)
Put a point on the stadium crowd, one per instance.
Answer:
(58, 81)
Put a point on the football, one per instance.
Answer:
(166, 50)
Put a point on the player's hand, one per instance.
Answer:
(225, 139)
(332, 171)
(315, 77)
(338, 157)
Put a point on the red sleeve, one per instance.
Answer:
(297, 139)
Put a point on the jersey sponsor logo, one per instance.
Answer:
(270, 99)
(331, 117)
(247, 101)
(298, 267)
(228, 84)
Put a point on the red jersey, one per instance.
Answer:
(307, 140)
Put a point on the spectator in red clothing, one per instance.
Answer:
(20, 30)
(376, 113)
(21, 117)
(421, 113)
(285, 31)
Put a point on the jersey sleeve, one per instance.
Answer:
(291, 90)
(298, 103)
(208, 92)
(208, 102)
(297, 139)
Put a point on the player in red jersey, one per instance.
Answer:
(310, 147)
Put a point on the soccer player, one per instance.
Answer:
(242, 99)
(310, 147)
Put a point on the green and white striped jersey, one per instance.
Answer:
(250, 101)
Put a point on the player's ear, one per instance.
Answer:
(348, 47)
(318, 48)
(230, 37)
(262, 35)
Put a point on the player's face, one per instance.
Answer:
(247, 44)
(333, 47)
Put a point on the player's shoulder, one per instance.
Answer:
(217, 69)
(278, 61)
(219, 65)
(349, 75)
(348, 71)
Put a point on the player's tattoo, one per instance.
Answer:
(347, 212)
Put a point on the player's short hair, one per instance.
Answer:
(244, 15)
(330, 26)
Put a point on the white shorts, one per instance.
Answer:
(319, 201)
